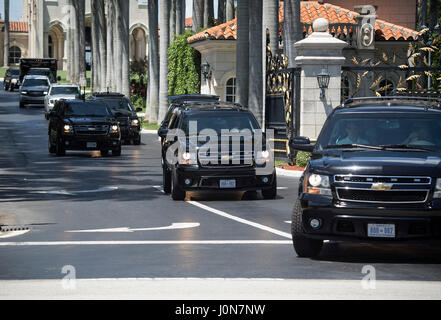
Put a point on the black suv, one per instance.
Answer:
(83, 125)
(374, 175)
(11, 80)
(197, 153)
(124, 112)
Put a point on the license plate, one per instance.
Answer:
(227, 184)
(91, 145)
(381, 230)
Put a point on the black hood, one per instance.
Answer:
(394, 163)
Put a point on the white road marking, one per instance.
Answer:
(73, 193)
(288, 221)
(141, 242)
(282, 188)
(184, 225)
(241, 220)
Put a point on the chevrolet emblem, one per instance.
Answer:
(91, 129)
(382, 186)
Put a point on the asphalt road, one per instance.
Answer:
(67, 202)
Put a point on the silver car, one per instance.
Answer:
(59, 91)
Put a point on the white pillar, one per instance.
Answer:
(317, 52)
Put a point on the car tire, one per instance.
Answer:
(52, 148)
(46, 116)
(166, 180)
(104, 152)
(6, 87)
(304, 247)
(11, 88)
(176, 192)
(271, 193)
(60, 150)
(137, 141)
(116, 152)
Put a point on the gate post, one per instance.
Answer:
(319, 52)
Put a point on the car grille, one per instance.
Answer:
(123, 121)
(36, 93)
(382, 189)
(91, 129)
(228, 160)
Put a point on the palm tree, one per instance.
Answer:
(255, 94)
(110, 68)
(180, 16)
(80, 42)
(124, 42)
(271, 22)
(6, 41)
(198, 15)
(153, 95)
(229, 9)
(98, 45)
(292, 30)
(221, 11)
(242, 51)
(208, 13)
(163, 58)
(172, 19)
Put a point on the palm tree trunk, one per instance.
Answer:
(198, 15)
(292, 30)
(242, 51)
(180, 16)
(110, 68)
(153, 96)
(172, 25)
(98, 45)
(69, 39)
(163, 58)
(255, 94)
(6, 42)
(229, 9)
(208, 13)
(221, 11)
(271, 23)
(117, 54)
(124, 41)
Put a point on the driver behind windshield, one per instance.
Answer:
(352, 135)
(419, 135)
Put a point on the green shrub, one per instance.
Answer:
(302, 158)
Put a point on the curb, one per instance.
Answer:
(289, 173)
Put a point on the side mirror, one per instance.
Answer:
(162, 132)
(138, 110)
(301, 144)
(58, 78)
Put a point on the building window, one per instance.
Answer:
(51, 47)
(230, 95)
(14, 55)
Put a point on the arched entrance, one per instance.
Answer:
(138, 43)
(56, 44)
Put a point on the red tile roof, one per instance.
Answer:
(309, 11)
(17, 26)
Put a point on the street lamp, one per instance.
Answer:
(323, 81)
(205, 68)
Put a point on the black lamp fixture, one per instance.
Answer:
(323, 82)
(205, 69)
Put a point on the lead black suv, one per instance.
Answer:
(123, 111)
(374, 175)
(198, 154)
(83, 125)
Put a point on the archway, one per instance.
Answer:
(56, 44)
(138, 43)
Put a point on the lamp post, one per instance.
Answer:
(205, 69)
(323, 82)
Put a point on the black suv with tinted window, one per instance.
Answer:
(123, 111)
(83, 125)
(215, 146)
(374, 175)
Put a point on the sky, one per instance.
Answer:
(15, 11)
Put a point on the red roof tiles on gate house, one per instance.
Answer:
(309, 11)
(17, 26)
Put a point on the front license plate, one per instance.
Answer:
(227, 184)
(381, 230)
(91, 145)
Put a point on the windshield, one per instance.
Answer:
(86, 109)
(119, 104)
(65, 90)
(382, 130)
(219, 121)
(35, 83)
(39, 72)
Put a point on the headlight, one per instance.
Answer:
(114, 128)
(263, 156)
(68, 128)
(317, 184)
(45, 93)
(437, 194)
(187, 158)
(24, 92)
(135, 122)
